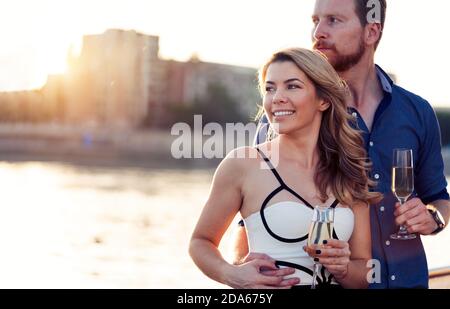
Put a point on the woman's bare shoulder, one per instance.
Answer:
(239, 160)
(246, 154)
(245, 159)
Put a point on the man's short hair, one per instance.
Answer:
(363, 8)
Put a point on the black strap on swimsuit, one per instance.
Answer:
(282, 187)
(322, 282)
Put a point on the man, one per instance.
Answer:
(348, 33)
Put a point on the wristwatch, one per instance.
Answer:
(437, 218)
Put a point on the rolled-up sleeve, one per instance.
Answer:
(430, 181)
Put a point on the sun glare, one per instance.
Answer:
(36, 35)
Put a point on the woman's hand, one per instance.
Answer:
(334, 255)
(258, 271)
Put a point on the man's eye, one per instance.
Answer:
(333, 20)
(269, 89)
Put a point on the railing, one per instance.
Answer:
(439, 272)
(440, 278)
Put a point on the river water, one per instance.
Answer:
(67, 226)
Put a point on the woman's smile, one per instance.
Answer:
(282, 114)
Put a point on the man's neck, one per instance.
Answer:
(364, 84)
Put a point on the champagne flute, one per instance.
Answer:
(402, 184)
(321, 229)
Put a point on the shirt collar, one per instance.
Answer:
(386, 84)
(385, 80)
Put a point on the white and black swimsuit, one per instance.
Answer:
(280, 230)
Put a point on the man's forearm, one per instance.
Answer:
(444, 208)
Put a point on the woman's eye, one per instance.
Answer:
(293, 86)
(269, 89)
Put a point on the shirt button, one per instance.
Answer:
(371, 144)
(388, 243)
(354, 114)
(382, 208)
(377, 176)
(393, 278)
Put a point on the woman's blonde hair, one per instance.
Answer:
(343, 166)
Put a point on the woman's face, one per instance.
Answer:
(290, 99)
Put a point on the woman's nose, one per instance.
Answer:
(279, 97)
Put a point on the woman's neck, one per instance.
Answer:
(300, 149)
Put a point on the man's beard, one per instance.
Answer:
(342, 63)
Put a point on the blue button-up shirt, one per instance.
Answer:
(402, 120)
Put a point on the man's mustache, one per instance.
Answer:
(323, 44)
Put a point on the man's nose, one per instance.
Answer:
(319, 32)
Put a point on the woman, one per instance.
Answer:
(316, 158)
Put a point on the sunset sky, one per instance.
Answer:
(36, 35)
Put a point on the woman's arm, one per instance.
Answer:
(240, 249)
(348, 261)
(224, 201)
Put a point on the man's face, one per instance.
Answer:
(337, 32)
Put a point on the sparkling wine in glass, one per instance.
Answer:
(321, 229)
(402, 184)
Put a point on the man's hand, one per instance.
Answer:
(268, 275)
(415, 217)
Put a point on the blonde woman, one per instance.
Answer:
(315, 158)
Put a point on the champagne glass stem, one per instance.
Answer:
(315, 272)
(403, 229)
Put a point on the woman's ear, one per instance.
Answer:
(323, 105)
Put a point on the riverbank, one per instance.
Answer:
(91, 146)
(107, 147)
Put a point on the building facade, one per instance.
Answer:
(120, 80)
